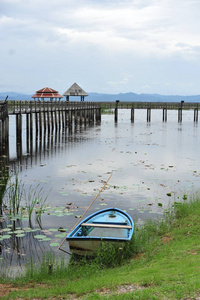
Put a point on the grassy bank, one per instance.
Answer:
(164, 264)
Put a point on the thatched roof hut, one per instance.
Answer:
(75, 90)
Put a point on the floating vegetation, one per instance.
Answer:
(39, 236)
(20, 235)
(55, 244)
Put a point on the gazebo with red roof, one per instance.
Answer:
(47, 93)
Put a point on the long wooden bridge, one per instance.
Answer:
(43, 117)
(149, 106)
(50, 114)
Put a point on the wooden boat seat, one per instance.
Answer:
(106, 225)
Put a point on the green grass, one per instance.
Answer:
(107, 111)
(165, 264)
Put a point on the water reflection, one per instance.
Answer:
(20, 237)
(45, 144)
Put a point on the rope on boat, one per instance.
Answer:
(79, 220)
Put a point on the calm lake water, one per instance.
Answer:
(152, 164)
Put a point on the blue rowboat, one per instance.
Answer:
(106, 225)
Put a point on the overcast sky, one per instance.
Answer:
(106, 46)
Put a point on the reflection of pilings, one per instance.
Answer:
(47, 145)
(148, 114)
(68, 120)
(164, 114)
(196, 115)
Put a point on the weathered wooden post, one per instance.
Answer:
(27, 133)
(36, 122)
(165, 114)
(31, 123)
(116, 110)
(180, 110)
(132, 113)
(149, 114)
(48, 119)
(40, 119)
(81, 115)
(62, 114)
(55, 113)
(44, 116)
(99, 113)
(52, 119)
(18, 132)
(59, 112)
(75, 117)
(7, 130)
(70, 118)
(196, 114)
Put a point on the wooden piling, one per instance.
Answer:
(180, 111)
(148, 114)
(196, 114)
(164, 114)
(132, 114)
(116, 110)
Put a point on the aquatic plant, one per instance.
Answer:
(4, 176)
(34, 202)
(22, 203)
(14, 194)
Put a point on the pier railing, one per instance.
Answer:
(149, 106)
(152, 105)
(26, 107)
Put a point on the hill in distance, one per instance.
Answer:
(98, 97)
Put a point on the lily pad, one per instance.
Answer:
(19, 231)
(6, 229)
(46, 239)
(53, 229)
(5, 237)
(54, 244)
(20, 235)
(61, 235)
(40, 236)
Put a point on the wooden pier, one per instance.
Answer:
(44, 122)
(149, 106)
(51, 115)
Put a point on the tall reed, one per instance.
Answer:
(34, 202)
(4, 176)
(14, 195)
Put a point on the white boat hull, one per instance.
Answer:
(88, 247)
